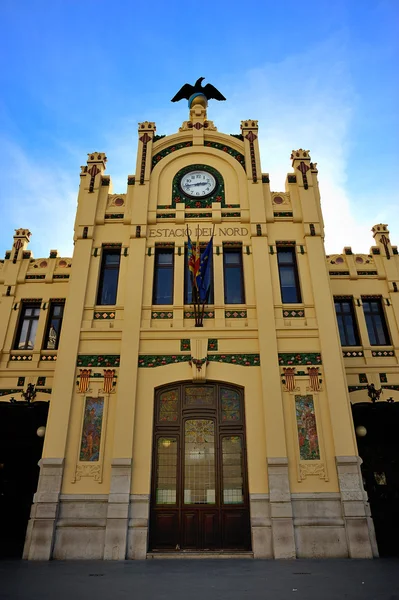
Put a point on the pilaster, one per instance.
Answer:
(116, 529)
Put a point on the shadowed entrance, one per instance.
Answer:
(199, 496)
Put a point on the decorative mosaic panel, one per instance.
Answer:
(307, 430)
(101, 315)
(166, 216)
(205, 215)
(283, 214)
(185, 345)
(245, 360)
(163, 314)
(230, 405)
(352, 353)
(311, 358)
(293, 314)
(114, 216)
(235, 314)
(41, 381)
(168, 406)
(199, 396)
(383, 378)
(363, 378)
(339, 273)
(356, 388)
(166, 151)
(383, 353)
(98, 360)
(21, 357)
(390, 387)
(212, 345)
(151, 361)
(208, 314)
(21, 381)
(48, 357)
(367, 273)
(91, 433)
(6, 392)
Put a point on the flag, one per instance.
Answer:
(193, 259)
(205, 271)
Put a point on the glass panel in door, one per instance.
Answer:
(199, 462)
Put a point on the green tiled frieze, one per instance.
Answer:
(208, 314)
(310, 358)
(98, 360)
(213, 345)
(283, 214)
(293, 314)
(101, 315)
(235, 314)
(166, 216)
(356, 388)
(44, 390)
(185, 345)
(35, 277)
(162, 314)
(390, 387)
(60, 276)
(151, 361)
(198, 215)
(231, 214)
(5, 392)
(114, 216)
(166, 151)
(245, 360)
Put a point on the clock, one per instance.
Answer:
(198, 183)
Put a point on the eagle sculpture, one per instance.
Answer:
(209, 91)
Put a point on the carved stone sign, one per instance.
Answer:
(198, 231)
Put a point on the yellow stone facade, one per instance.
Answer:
(298, 508)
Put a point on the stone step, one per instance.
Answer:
(207, 554)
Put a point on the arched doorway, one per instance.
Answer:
(20, 452)
(378, 426)
(199, 494)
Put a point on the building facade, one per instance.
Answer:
(233, 437)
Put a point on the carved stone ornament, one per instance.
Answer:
(94, 471)
(312, 468)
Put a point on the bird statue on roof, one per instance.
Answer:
(190, 92)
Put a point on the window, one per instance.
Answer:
(163, 276)
(109, 275)
(233, 276)
(54, 324)
(188, 297)
(346, 322)
(27, 327)
(288, 272)
(375, 321)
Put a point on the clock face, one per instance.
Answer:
(198, 184)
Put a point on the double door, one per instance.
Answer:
(199, 497)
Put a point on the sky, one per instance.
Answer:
(77, 77)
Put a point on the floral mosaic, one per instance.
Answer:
(307, 430)
(212, 345)
(312, 358)
(283, 214)
(114, 216)
(98, 360)
(168, 405)
(91, 433)
(246, 360)
(230, 405)
(199, 431)
(185, 345)
(150, 360)
(166, 151)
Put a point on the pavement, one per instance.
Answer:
(227, 579)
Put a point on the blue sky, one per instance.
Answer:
(78, 77)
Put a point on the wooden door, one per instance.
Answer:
(199, 498)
